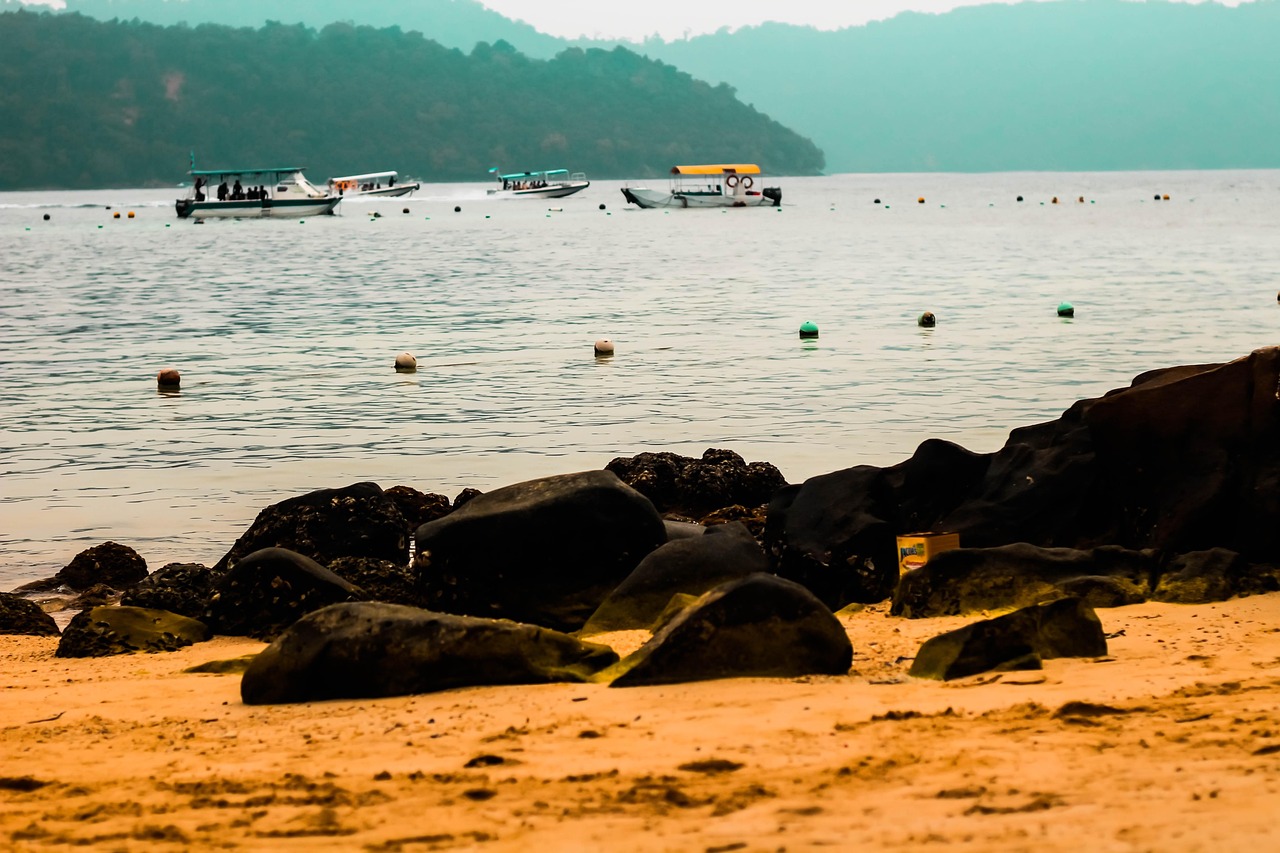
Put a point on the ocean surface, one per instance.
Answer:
(286, 331)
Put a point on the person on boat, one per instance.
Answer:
(199, 189)
(391, 181)
(222, 191)
(237, 191)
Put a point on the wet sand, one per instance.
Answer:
(1171, 742)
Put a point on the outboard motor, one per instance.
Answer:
(774, 194)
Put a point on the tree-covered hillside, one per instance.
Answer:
(93, 103)
(1077, 85)
(452, 23)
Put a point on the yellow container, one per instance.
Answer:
(916, 549)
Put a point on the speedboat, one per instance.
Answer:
(548, 183)
(371, 185)
(281, 192)
(711, 185)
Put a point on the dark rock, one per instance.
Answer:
(182, 588)
(831, 535)
(20, 616)
(368, 650)
(356, 521)
(97, 595)
(751, 517)
(110, 563)
(416, 507)
(759, 625)
(1019, 640)
(1185, 459)
(965, 580)
(465, 495)
(382, 580)
(682, 529)
(227, 666)
(269, 590)
(1200, 577)
(689, 566)
(545, 551)
(106, 631)
(695, 487)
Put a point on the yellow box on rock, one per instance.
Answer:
(916, 549)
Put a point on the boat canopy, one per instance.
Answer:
(515, 176)
(216, 173)
(717, 169)
(370, 176)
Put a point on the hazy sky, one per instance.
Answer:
(635, 19)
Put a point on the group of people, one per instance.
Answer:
(523, 185)
(233, 193)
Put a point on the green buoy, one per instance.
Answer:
(1066, 309)
(808, 329)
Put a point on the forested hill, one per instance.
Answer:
(452, 23)
(90, 103)
(1080, 85)
(1061, 85)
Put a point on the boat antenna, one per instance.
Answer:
(193, 160)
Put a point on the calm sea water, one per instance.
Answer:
(285, 333)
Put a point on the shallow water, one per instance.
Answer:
(285, 333)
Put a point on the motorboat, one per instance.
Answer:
(710, 185)
(282, 192)
(548, 183)
(371, 185)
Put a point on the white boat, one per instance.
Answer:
(281, 192)
(711, 185)
(371, 185)
(548, 183)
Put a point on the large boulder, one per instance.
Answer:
(20, 616)
(1185, 459)
(417, 507)
(115, 565)
(269, 590)
(356, 521)
(833, 535)
(382, 580)
(1019, 640)
(182, 588)
(106, 631)
(690, 566)
(695, 487)
(760, 625)
(966, 580)
(368, 650)
(1213, 575)
(545, 551)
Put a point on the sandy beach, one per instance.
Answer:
(1171, 742)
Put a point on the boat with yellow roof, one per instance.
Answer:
(708, 185)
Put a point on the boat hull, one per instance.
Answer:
(552, 191)
(256, 208)
(386, 192)
(647, 198)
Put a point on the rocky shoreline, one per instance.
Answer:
(1162, 491)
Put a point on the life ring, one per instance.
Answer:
(731, 181)
(747, 183)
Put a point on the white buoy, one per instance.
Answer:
(406, 363)
(604, 346)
